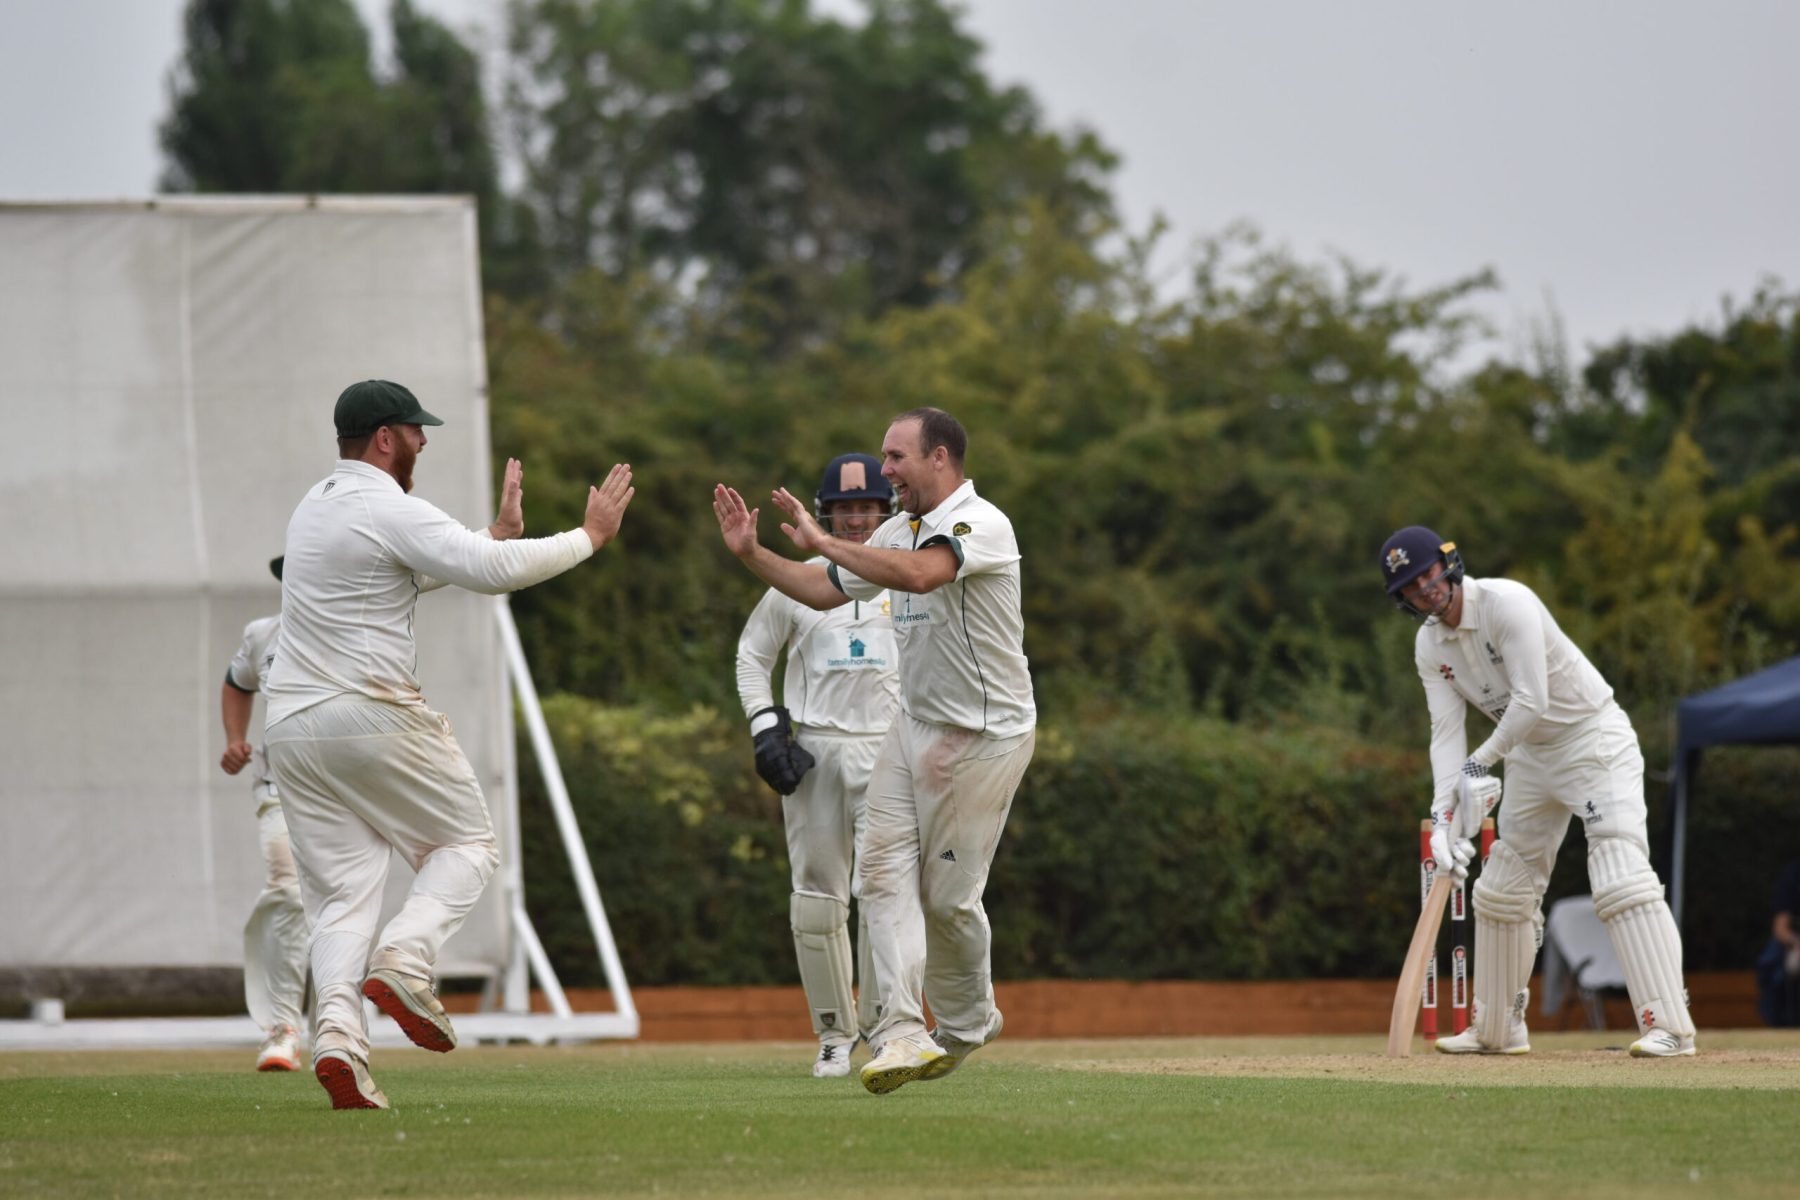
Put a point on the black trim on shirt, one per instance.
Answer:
(944, 539)
(235, 685)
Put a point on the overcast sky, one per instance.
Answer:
(1629, 163)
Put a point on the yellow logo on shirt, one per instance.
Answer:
(960, 528)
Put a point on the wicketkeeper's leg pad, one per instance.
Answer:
(1628, 899)
(1508, 930)
(822, 944)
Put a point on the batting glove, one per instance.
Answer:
(780, 760)
(1476, 794)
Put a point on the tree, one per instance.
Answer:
(785, 167)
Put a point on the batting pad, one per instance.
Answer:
(822, 944)
(1628, 899)
(1507, 925)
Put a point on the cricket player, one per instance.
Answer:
(1569, 750)
(275, 934)
(363, 765)
(945, 775)
(842, 689)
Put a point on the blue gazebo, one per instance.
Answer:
(1759, 709)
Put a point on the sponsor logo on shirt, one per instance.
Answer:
(859, 657)
(1493, 654)
(908, 616)
(960, 528)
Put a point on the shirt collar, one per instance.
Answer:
(357, 466)
(936, 517)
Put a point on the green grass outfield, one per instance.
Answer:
(1313, 1117)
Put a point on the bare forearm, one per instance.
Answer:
(234, 711)
(912, 571)
(804, 582)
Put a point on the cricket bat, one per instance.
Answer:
(1412, 972)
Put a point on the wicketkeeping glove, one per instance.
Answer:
(780, 760)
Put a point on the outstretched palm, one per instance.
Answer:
(737, 521)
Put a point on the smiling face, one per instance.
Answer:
(855, 520)
(917, 477)
(1433, 595)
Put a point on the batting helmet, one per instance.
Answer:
(853, 477)
(1411, 552)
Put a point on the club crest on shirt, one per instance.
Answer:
(960, 528)
(1446, 672)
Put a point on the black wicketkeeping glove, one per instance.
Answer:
(780, 760)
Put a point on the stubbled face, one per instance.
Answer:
(1430, 593)
(409, 440)
(855, 520)
(905, 465)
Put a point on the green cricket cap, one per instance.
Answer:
(364, 407)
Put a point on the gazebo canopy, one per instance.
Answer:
(1759, 709)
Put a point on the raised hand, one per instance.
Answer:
(510, 523)
(737, 522)
(606, 505)
(800, 525)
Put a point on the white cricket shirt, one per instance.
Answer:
(249, 668)
(842, 665)
(962, 646)
(358, 549)
(1509, 659)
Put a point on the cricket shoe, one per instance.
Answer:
(902, 1059)
(833, 1061)
(1518, 1041)
(280, 1051)
(344, 1076)
(955, 1049)
(414, 1007)
(1663, 1043)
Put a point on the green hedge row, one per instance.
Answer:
(1140, 847)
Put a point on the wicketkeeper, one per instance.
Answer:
(1569, 750)
(841, 688)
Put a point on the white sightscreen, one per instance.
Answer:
(167, 376)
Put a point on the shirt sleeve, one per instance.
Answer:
(429, 542)
(770, 625)
(1519, 636)
(244, 673)
(851, 584)
(978, 550)
(427, 584)
(1449, 739)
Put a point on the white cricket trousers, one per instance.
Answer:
(358, 777)
(1595, 772)
(275, 934)
(938, 799)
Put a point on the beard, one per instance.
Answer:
(404, 458)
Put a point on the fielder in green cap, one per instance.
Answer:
(363, 766)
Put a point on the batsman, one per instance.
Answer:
(1569, 750)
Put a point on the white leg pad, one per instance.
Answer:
(822, 944)
(1628, 898)
(1508, 930)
